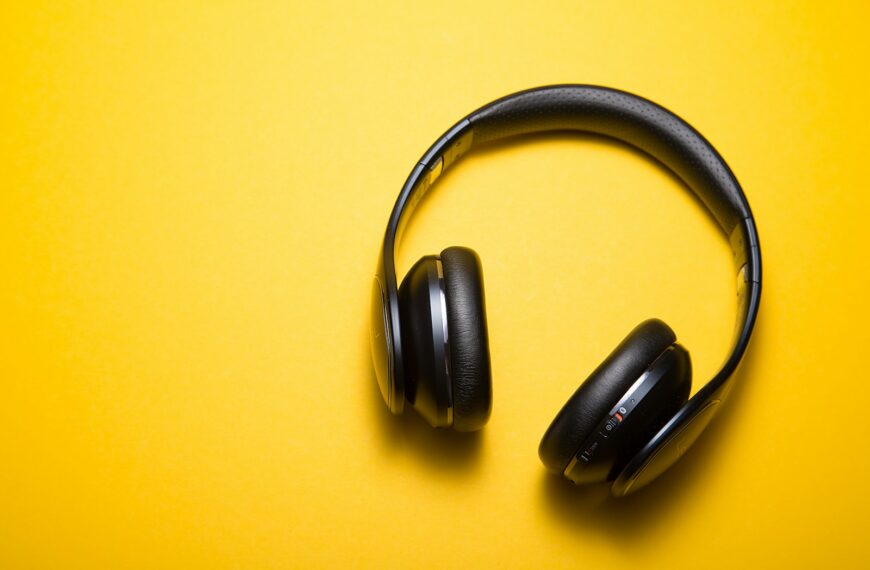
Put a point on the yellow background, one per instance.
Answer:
(193, 194)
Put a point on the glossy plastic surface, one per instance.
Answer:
(422, 305)
(682, 436)
(649, 403)
(381, 343)
(672, 441)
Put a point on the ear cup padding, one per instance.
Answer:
(601, 391)
(467, 338)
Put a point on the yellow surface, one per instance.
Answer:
(192, 199)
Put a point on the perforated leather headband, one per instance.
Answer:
(598, 110)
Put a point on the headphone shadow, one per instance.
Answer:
(594, 509)
(440, 450)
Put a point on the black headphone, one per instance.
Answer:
(632, 418)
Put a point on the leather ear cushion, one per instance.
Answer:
(467, 338)
(601, 391)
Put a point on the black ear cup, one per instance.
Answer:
(610, 382)
(444, 336)
(467, 338)
(423, 313)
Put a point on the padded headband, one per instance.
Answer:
(598, 110)
(625, 117)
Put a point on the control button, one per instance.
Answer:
(586, 456)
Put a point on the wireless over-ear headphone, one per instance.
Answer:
(632, 418)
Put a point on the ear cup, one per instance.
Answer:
(421, 307)
(467, 338)
(594, 399)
